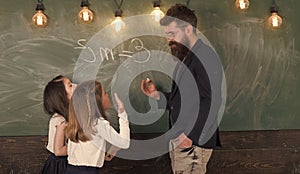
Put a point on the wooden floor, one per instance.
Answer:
(242, 152)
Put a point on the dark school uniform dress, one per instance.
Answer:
(54, 164)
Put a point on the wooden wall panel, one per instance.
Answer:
(243, 152)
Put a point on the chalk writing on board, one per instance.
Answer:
(106, 53)
(138, 46)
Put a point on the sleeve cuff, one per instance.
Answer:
(123, 116)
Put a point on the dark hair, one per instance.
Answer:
(85, 108)
(56, 97)
(181, 14)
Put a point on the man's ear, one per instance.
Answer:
(189, 29)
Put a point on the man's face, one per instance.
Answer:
(177, 39)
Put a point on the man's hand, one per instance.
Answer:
(184, 141)
(149, 89)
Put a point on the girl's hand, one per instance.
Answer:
(59, 146)
(111, 153)
(108, 157)
(62, 125)
(119, 103)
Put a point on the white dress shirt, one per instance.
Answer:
(92, 153)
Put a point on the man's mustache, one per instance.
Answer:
(173, 43)
(178, 50)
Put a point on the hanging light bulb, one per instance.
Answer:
(274, 20)
(39, 19)
(242, 4)
(157, 14)
(85, 14)
(118, 22)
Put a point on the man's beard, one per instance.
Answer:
(178, 50)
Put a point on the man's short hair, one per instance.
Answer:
(179, 13)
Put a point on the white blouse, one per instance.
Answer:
(92, 153)
(55, 120)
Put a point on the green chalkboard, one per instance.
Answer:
(261, 65)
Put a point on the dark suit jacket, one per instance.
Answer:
(191, 98)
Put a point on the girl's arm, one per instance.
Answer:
(107, 132)
(59, 147)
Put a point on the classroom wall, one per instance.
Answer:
(261, 65)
